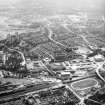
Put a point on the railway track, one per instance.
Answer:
(78, 79)
(17, 93)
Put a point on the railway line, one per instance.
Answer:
(16, 93)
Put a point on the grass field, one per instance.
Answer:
(84, 84)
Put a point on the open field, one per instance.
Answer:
(84, 84)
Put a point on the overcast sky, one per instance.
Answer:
(3, 2)
(60, 3)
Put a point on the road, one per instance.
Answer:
(49, 71)
(52, 40)
(47, 53)
(82, 36)
(99, 68)
(51, 35)
(65, 26)
(86, 41)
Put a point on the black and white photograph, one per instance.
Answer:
(52, 52)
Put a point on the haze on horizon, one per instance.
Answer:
(45, 6)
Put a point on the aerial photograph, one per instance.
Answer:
(52, 52)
